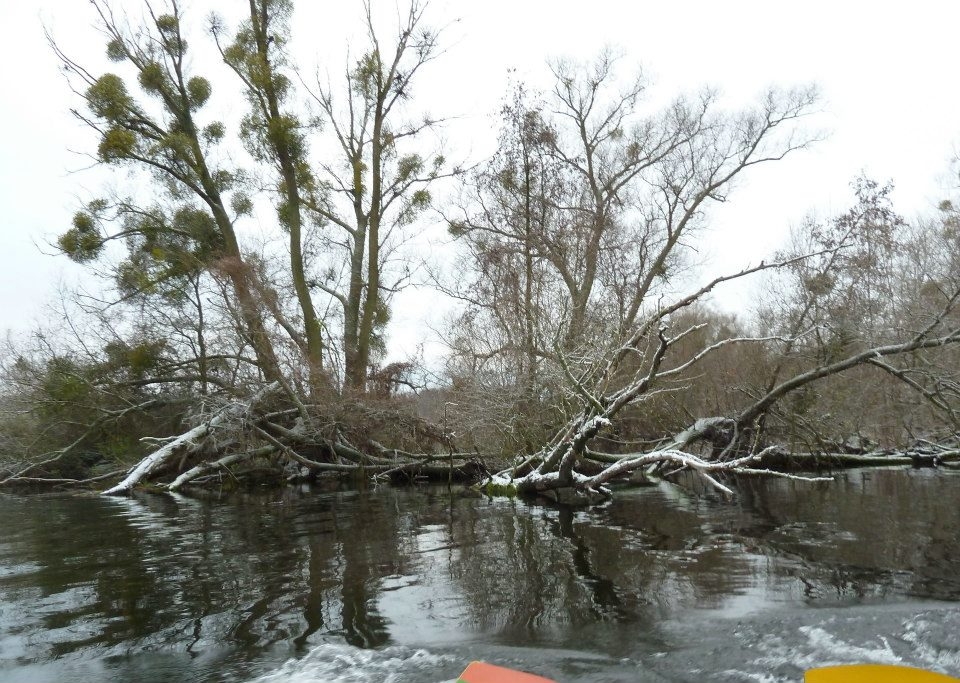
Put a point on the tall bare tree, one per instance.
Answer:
(585, 212)
(376, 181)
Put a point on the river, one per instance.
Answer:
(410, 584)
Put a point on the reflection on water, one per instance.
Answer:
(657, 585)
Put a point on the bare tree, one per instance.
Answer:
(376, 181)
(582, 217)
(881, 282)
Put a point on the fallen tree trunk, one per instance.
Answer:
(782, 460)
(591, 489)
(222, 463)
(415, 467)
(190, 441)
(732, 441)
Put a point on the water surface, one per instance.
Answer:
(662, 584)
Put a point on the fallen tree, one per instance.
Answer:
(731, 443)
(192, 441)
(297, 439)
(247, 433)
(780, 459)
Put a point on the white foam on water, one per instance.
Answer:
(779, 657)
(332, 663)
(823, 648)
(929, 640)
(935, 644)
(827, 645)
(737, 675)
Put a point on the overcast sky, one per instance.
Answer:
(887, 71)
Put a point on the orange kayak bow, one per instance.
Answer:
(481, 672)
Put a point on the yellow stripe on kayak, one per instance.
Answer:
(481, 672)
(875, 673)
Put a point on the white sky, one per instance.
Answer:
(887, 71)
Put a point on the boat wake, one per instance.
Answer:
(769, 648)
(780, 650)
(334, 663)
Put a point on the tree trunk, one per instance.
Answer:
(278, 134)
(187, 442)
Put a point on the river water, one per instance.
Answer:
(410, 584)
